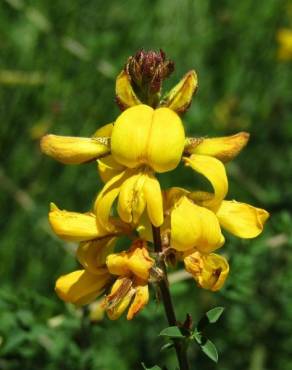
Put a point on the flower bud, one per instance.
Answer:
(223, 148)
(147, 70)
(180, 96)
(74, 150)
(125, 95)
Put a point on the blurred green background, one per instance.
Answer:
(58, 62)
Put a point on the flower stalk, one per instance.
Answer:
(163, 285)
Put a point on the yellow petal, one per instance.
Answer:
(106, 198)
(92, 254)
(215, 172)
(74, 150)
(117, 263)
(74, 226)
(131, 202)
(120, 297)
(166, 141)
(153, 197)
(109, 168)
(223, 148)
(180, 97)
(201, 197)
(193, 226)
(139, 261)
(104, 131)
(210, 271)
(172, 196)
(81, 287)
(242, 220)
(130, 135)
(125, 94)
(139, 302)
(134, 261)
(142, 135)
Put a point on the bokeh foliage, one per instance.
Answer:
(58, 64)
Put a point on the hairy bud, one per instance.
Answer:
(148, 69)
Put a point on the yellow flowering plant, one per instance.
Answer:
(148, 137)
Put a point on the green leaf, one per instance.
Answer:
(210, 350)
(151, 368)
(214, 314)
(172, 332)
(166, 346)
(210, 317)
(197, 336)
(206, 345)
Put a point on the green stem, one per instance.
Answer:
(167, 301)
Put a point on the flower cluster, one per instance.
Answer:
(148, 137)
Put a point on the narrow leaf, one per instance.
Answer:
(210, 317)
(172, 332)
(214, 314)
(210, 350)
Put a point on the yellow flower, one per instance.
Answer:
(146, 136)
(214, 171)
(194, 223)
(83, 286)
(209, 270)
(131, 288)
(136, 190)
(242, 220)
(77, 150)
(205, 156)
(194, 226)
(74, 226)
(143, 140)
(284, 38)
(135, 261)
(123, 291)
(92, 254)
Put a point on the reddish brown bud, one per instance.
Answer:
(148, 69)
